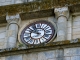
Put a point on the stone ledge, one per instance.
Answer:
(44, 47)
(35, 6)
(37, 9)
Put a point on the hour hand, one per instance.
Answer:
(35, 31)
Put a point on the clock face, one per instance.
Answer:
(37, 33)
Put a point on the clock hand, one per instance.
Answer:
(35, 31)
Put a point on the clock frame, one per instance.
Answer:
(38, 32)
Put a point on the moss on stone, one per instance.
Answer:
(35, 6)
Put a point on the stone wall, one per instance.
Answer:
(76, 27)
(9, 2)
(2, 37)
(73, 28)
(73, 32)
(58, 54)
(6, 2)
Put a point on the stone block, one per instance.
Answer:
(72, 51)
(69, 30)
(2, 29)
(75, 58)
(2, 41)
(3, 1)
(75, 36)
(59, 53)
(74, 27)
(46, 55)
(76, 24)
(15, 57)
(61, 38)
(67, 58)
(8, 0)
(60, 33)
(69, 24)
(2, 34)
(76, 31)
(12, 1)
(6, 3)
(69, 36)
(41, 56)
(52, 59)
(18, 1)
(2, 58)
(30, 0)
(0, 4)
(76, 19)
(62, 58)
(50, 54)
(4, 46)
(31, 56)
(1, 47)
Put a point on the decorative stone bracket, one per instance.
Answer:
(13, 19)
(64, 11)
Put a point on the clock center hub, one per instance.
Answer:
(37, 34)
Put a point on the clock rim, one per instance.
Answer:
(26, 25)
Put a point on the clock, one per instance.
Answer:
(38, 32)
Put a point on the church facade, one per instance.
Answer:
(39, 30)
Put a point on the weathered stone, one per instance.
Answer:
(75, 58)
(15, 57)
(50, 54)
(3, 1)
(12, 30)
(60, 53)
(18, 1)
(2, 58)
(69, 36)
(72, 51)
(2, 41)
(2, 35)
(75, 36)
(52, 59)
(31, 56)
(67, 58)
(62, 15)
(52, 19)
(41, 56)
(8, 0)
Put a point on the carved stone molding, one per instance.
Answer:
(13, 19)
(64, 11)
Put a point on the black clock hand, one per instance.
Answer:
(35, 30)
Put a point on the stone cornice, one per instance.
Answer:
(34, 8)
(44, 47)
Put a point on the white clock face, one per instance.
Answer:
(37, 33)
